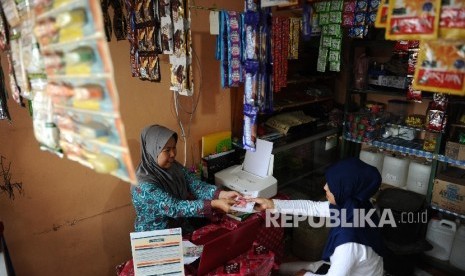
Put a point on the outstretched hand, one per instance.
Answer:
(223, 204)
(228, 195)
(262, 203)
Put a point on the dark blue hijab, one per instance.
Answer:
(353, 183)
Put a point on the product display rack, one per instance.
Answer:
(351, 147)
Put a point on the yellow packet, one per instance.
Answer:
(72, 33)
(413, 19)
(441, 67)
(382, 15)
(452, 20)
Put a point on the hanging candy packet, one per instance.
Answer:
(441, 67)
(413, 19)
(251, 82)
(294, 27)
(452, 21)
(234, 49)
(307, 21)
(250, 127)
(279, 52)
(436, 113)
(251, 35)
(166, 25)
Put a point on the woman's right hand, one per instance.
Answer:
(262, 203)
(223, 204)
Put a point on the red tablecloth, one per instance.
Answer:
(264, 255)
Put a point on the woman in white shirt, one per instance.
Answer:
(354, 246)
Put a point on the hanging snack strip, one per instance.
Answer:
(166, 25)
(307, 12)
(145, 39)
(229, 48)
(234, 45)
(441, 67)
(265, 95)
(413, 49)
(120, 24)
(180, 60)
(251, 82)
(251, 60)
(222, 49)
(330, 19)
(132, 38)
(348, 13)
(294, 28)
(82, 88)
(250, 127)
(364, 17)
(282, 64)
(413, 19)
(277, 48)
(436, 120)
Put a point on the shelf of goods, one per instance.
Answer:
(382, 51)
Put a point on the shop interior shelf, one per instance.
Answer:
(404, 126)
(447, 211)
(400, 145)
(449, 160)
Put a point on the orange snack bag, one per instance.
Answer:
(441, 67)
(413, 19)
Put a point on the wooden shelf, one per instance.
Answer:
(290, 103)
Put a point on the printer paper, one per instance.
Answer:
(257, 162)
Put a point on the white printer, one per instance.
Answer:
(254, 175)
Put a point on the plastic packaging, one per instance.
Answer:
(457, 256)
(372, 157)
(418, 177)
(395, 170)
(440, 234)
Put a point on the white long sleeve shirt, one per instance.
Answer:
(348, 259)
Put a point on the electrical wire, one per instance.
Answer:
(178, 106)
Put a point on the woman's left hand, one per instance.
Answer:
(228, 195)
(301, 272)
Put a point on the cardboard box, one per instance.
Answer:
(449, 194)
(455, 151)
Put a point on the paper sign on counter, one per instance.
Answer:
(158, 252)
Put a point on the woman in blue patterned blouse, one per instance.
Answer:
(167, 195)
